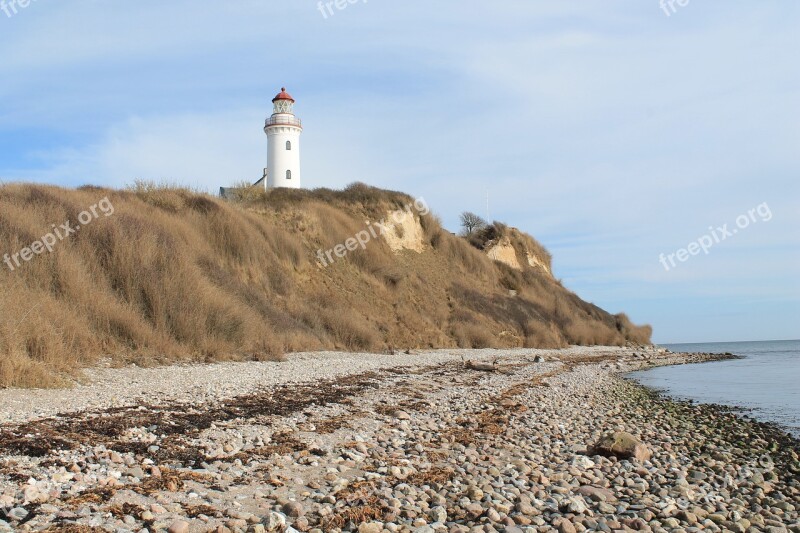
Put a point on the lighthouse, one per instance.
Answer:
(283, 131)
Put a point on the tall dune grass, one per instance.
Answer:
(176, 275)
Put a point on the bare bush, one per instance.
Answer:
(470, 222)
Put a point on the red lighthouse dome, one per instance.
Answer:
(283, 95)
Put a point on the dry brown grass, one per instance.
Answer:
(543, 335)
(632, 332)
(175, 275)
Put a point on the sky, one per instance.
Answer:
(613, 132)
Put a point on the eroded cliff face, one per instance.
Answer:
(512, 250)
(504, 251)
(536, 262)
(403, 231)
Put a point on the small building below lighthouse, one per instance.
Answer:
(283, 131)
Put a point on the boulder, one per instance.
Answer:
(622, 445)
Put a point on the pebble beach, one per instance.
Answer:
(447, 440)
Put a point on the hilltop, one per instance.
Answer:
(158, 275)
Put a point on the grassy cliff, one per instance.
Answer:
(157, 275)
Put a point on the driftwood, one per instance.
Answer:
(485, 367)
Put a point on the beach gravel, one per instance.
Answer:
(535, 440)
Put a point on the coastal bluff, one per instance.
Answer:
(168, 275)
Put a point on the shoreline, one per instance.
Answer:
(778, 431)
(748, 411)
(425, 447)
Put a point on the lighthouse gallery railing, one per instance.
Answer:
(283, 120)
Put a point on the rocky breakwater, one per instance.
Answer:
(534, 441)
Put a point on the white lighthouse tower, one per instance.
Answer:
(283, 131)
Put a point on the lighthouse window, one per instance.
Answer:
(288, 145)
(288, 174)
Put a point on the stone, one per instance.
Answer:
(18, 513)
(475, 493)
(565, 526)
(474, 510)
(370, 527)
(526, 508)
(574, 505)
(293, 509)
(275, 521)
(583, 462)
(438, 514)
(62, 477)
(671, 522)
(597, 494)
(179, 526)
(493, 515)
(688, 517)
(32, 495)
(717, 518)
(136, 472)
(621, 445)
(606, 508)
(237, 524)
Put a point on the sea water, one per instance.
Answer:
(766, 381)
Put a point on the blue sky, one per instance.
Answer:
(610, 131)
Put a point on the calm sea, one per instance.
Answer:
(766, 381)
